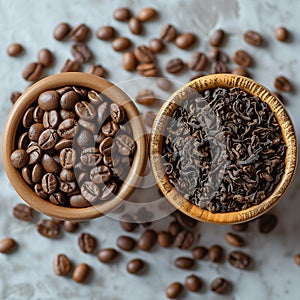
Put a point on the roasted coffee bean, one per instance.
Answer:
(61, 31)
(156, 45)
(15, 96)
(19, 158)
(184, 262)
(234, 240)
(126, 243)
(37, 173)
(143, 54)
(105, 146)
(80, 33)
(7, 245)
(71, 226)
(49, 100)
(32, 71)
(97, 70)
(215, 253)
(147, 240)
(267, 223)
(69, 99)
(220, 286)
(63, 143)
(85, 110)
(184, 41)
(70, 66)
(193, 283)
(100, 174)
(48, 139)
(242, 58)
(68, 187)
(58, 198)
(122, 14)
(49, 183)
(35, 154)
(90, 191)
(164, 83)
(117, 113)
(51, 119)
(23, 141)
(184, 220)
(81, 53)
(217, 38)
(87, 243)
(67, 158)
(240, 71)
(109, 190)
(174, 228)
(145, 97)
(67, 114)
(297, 259)
(80, 273)
(35, 131)
(67, 129)
(168, 33)
(61, 265)
(27, 119)
(135, 25)
(82, 92)
(184, 239)
(84, 138)
(126, 145)
(91, 126)
(148, 118)
(146, 14)
(135, 266)
(23, 212)
(218, 55)
(105, 33)
(121, 43)
(128, 223)
(49, 164)
(90, 156)
(129, 61)
(39, 191)
(79, 201)
(147, 70)
(48, 228)
(45, 57)
(26, 174)
(239, 259)
(281, 34)
(199, 252)
(107, 255)
(282, 84)
(102, 112)
(174, 290)
(175, 66)
(218, 67)
(253, 38)
(14, 49)
(110, 128)
(198, 62)
(240, 227)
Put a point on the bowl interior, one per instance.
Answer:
(199, 85)
(109, 90)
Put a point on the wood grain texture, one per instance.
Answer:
(210, 82)
(112, 92)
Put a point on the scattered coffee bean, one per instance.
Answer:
(282, 84)
(14, 49)
(23, 212)
(87, 243)
(97, 70)
(71, 226)
(267, 223)
(297, 259)
(80, 33)
(48, 228)
(7, 245)
(240, 227)
(220, 286)
(234, 240)
(156, 45)
(193, 283)
(45, 57)
(32, 72)
(122, 14)
(61, 265)
(165, 239)
(135, 266)
(147, 14)
(175, 66)
(143, 54)
(145, 97)
(199, 252)
(15, 96)
(215, 253)
(184, 239)
(61, 31)
(81, 53)
(121, 43)
(168, 33)
(281, 34)
(106, 33)
(217, 38)
(164, 83)
(147, 240)
(148, 118)
(253, 38)
(70, 66)
(184, 41)
(128, 224)
(147, 70)
(129, 61)
(135, 26)
(80, 273)
(184, 262)
(218, 55)
(242, 58)
(198, 61)
(107, 255)
(239, 259)
(126, 243)
(240, 71)
(174, 290)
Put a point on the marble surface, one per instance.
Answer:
(27, 273)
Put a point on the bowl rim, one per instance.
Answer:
(92, 82)
(211, 82)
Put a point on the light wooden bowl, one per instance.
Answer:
(211, 82)
(100, 85)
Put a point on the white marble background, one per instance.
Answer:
(27, 273)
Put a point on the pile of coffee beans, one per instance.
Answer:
(73, 147)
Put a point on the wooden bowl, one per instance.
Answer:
(91, 82)
(199, 85)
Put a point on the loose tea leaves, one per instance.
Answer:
(223, 150)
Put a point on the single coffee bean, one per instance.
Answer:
(49, 183)
(71, 226)
(81, 53)
(193, 283)
(198, 61)
(126, 243)
(79, 201)
(32, 71)
(90, 191)
(69, 99)
(129, 61)
(184, 41)
(84, 138)
(61, 265)
(14, 49)
(58, 198)
(135, 25)
(184, 220)
(239, 259)
(282, 84)
(7, 245)
(87, 243)
(175, 66)
(217, 38)
(110, 128)
(174, 290)
(145, 97)
(117, 113)
(23, 141)
(168, 33)
(199, 252)
(38, 114)
(109, 190)
(90, 157)
(100, 174)
(82, 92)
(240, 227)
(49, 100)
(164, 84)
(122, 14)
(242, 58)
(107, 255)
(80, 33)
(128, 224)
(121, 43)
(156, 45)
(80, 273)
(240, 71)
(61, 31)
(26, 174)
(215, 253)
(23, 212)
(97, 70)
(51, 119)
(147, 240)
(40, 192)
(105, 146)
(126, 145)
(220, 286)
(27, 119)
(184, 262)
(19, 158)
(143, 54)
(149, 117)
(218, 67)
(184, 239)
(105, 33)
(281, 34)
(70, 66)
(267, 223)
(174, 228)
(234, 240)
(297, 259)
(37, 173)
(48, 228)
(48, 139)
(63, 143)
(85, 110)
(15, 96)
(253, 38)
(146, 14)
(67, 114)
(34, 132)
(49, 164)
(67, 158)
(67, 129)
(147, 70)
(45, 57)
(135, 266)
